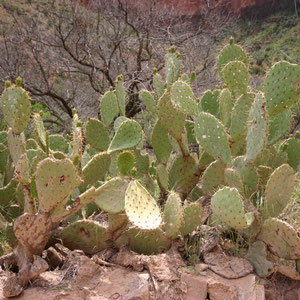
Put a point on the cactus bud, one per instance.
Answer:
(41, 113)
(297, 134)
(18, 81)
(79, 124)
(7, 83)
(192, 77)
(172, 49)
(178, 54)
(74, 111)
(154, 71)
(120, 77)
(231, 40)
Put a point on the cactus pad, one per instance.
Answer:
(55, 181)
(57, 143)
(125, 162)
(141, 209)
(158, 86)
(211, 135)
(281, 238)
(183, 97)
(209, 102)
(257, 128)
(16, 146)
(147, 98)
(160, 143)
(96, 168)
(192, 218)
(144, 242)
(109, 107)
(110, 197)
(235, 75)
(121, 95)
(279, 190)
(228, 207)
(292, 147)
(232, 178)
(225, 103)
(40, 130)
(16, 108)
(128, 135)
(86, 235)
(213, 177)
(282, 87)
(172, 215)
(22, 171)
(117, 221)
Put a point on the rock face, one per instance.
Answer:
(254, 8)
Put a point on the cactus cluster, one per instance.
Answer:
(151, 198)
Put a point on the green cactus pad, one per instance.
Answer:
(58, 143)
(55, 181)
(192, 218)
(117, 221)
(142, 162)
(31, 144)
(239, 116)
(257, 255)
(35, 158)
(229, 53)
(16, 146)
(141, 209)
(225, 103)
(162, 177)
(248, 175)
(97, 135)
(264, 173)
(121, 96)
(86, 235)
(8, 193)
(235, 75)
(257, 128)
(109, 107)
(205, 160)
(209, 102)
(40, 130)
(183, 174)
(282, 87)
(4, 153)
(160, 143)
(3, 138)
(292, 147)
(158, 86)
(228, 207)
(125, 162)
(119, 121)
(232, 178)
(279, 126)
(172, 68)
(128, 135)
(172, 216)
(213, 177)
(16, 108)
(189, 127)
(22, 171)
(279, 190)
(171, 118)
(147, 98)
(211, 135)
(144, 242)
(110, 196)
(96, 168)
(281, 238)
(183, 97)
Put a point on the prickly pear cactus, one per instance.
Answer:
(109, 107)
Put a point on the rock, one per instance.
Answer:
(86, 270)
(228, 266)
(201, 267)
(221, 291)
(196, 287)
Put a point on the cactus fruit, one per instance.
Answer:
(227, 205)
(109, 107)
(55, 181)
(257, 128)
(281, 238)
(231, 52)
(147, 98)
(209, 102)
(125, 162)
(86, 235)
(183, 97)
(235, 75)
(192, 218)
(141, 209)
(128, 135)
(146, 242)
(160, 143)
(282, 87)
(172, 216)
(121, 95)
(213, 177)
(257, 255)
(211, 135)
(279, 190)
(170, 117)
(96, 168)
(279, 126)
(110, 197)
(16, 108)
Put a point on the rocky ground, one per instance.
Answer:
(128, 276)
